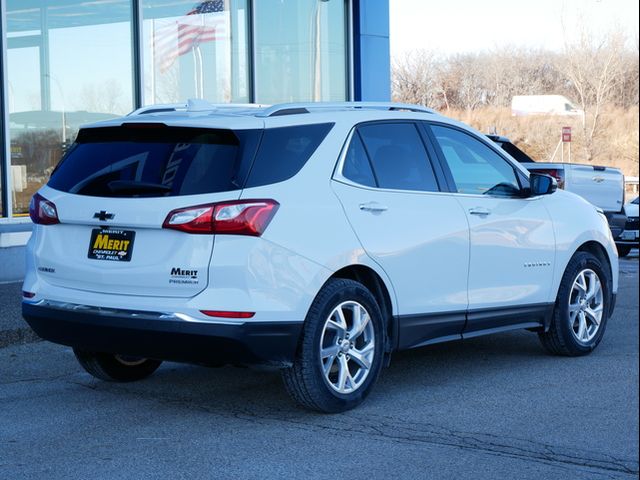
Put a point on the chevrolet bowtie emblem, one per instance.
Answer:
(102, 215)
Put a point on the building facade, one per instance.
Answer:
(64, 63)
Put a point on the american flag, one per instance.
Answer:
(207, 22)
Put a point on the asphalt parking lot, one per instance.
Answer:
(492, 407)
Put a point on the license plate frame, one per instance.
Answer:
(111, 244)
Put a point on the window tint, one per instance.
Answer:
(154, 161)
(398, 156)
(476, 168)
(284, 151)
(356, 164)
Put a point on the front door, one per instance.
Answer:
(512, 238)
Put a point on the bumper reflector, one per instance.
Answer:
(222, 314)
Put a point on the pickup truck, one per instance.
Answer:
(602, 186)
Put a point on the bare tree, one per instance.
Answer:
(594, 67)
(414, 78)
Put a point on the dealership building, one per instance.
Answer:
(65, 63)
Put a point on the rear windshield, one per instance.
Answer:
(155, 160)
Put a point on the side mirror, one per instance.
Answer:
(542, 184)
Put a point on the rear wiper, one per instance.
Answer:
(132, 187)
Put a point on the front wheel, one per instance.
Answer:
(581, 309)
(341, 349)
(115, 368)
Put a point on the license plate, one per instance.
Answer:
(629, 235)
(111, 244)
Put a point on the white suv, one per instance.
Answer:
(317, 238)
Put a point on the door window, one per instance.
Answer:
(475, 167)
(398, 157)
(357, 167)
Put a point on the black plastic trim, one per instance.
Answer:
(272, 343)
(427, 329)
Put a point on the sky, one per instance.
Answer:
(464, 26)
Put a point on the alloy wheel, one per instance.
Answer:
(586, 306)
(347, 347)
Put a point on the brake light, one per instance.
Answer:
(241, 217)
(42, 211)
(558, 174)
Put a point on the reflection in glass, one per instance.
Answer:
(68, 63)
(195, 50)
(301, 50)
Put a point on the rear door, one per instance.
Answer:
(416, 233)
(512, 238)
(113, 191)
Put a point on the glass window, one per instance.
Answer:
(475, 167)
(195, 50)
(154, 162)
(357, 167)
(398, 156)
(300, 50)
(68, 63)
(284, 151)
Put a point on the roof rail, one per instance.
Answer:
(193, 105)
(168, 107)
(295, 108)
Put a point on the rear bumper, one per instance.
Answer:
(140, 334)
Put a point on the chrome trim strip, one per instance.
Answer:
(132, 314)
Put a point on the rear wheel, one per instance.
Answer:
(116, 368)
(623, 250)
(582, 308)
(340, 353)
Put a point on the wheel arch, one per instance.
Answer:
(597, 250)
(600, 252)
(378, 288)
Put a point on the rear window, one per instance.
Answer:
(155, 161)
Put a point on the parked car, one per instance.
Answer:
(315, 238)
(629, 238)
(602, 186)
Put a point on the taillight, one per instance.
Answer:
(241, 217)
(42, 211)
(558, 174)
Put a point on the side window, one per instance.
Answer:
(476, 168)
(284, 151)
(356, 164)
(398, 156)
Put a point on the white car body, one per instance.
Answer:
(440, 262)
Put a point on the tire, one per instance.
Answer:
(115, 368)
(574, 329)
(623, 250)
(329, 372)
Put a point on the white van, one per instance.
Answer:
(522, 105)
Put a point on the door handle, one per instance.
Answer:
(483, 212)
(374, 207)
